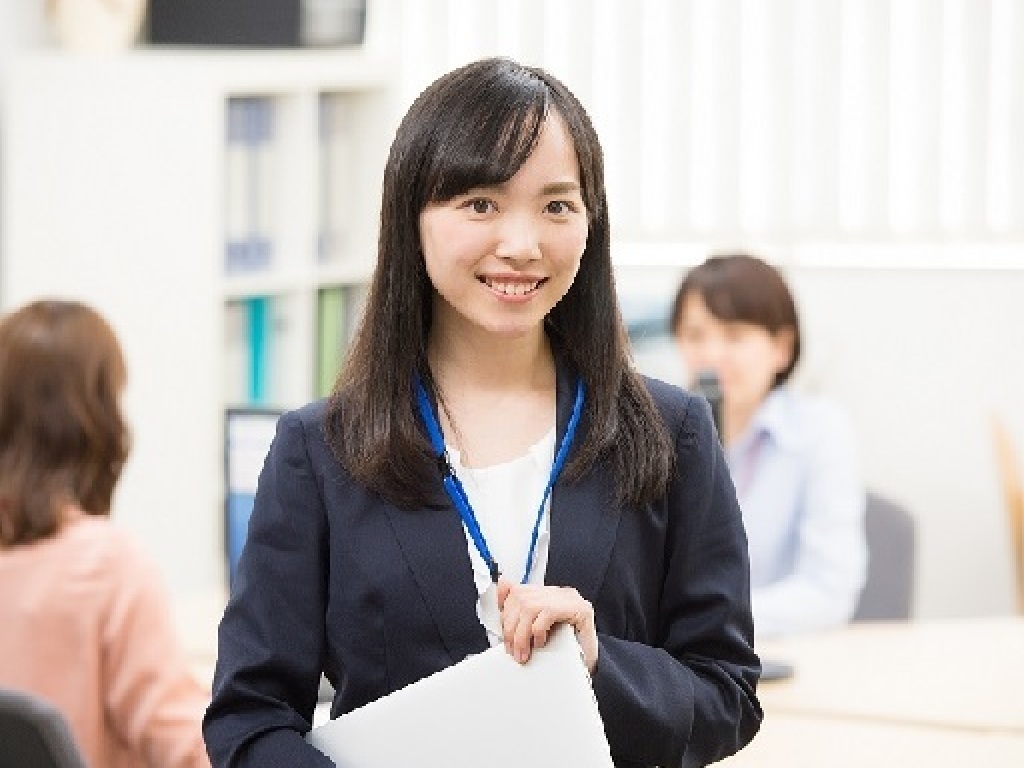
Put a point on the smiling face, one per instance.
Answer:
(501, 256)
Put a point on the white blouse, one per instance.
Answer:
(505, 498)
(798, 482)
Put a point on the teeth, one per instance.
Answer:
(512, 289)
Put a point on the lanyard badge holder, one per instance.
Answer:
(453, 486)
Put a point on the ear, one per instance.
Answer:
(783, 341)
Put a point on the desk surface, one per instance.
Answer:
(965, 674)
(962, 674)
(796, 741)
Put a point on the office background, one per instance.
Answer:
(868, 146)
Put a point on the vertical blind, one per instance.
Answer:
(786, 120)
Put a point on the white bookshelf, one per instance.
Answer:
(113, 191)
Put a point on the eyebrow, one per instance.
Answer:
(560, 188)
(554, 188)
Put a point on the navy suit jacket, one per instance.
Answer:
(335, 579)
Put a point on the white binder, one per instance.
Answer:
(487, 710)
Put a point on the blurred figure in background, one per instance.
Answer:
(792, 456)
(86, 620)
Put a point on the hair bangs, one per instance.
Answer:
(724, 304)
(487, 142)
(738, 290)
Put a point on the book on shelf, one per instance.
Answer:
(236, 185)
(330, 333)
(339, 309)
(248, 433)
(336, 171)
(260, 333)
(290, 366)
(267, 181)
(236, 353)
(250, 184)
(333, 22)
(249, 345)
(256, 23)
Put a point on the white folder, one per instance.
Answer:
(487, 710)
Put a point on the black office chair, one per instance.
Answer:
(891, 535)
(34, 735)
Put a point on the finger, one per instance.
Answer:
(504, 589)
(509, 622)
(580, 621)
(522, 639)
(541, 628)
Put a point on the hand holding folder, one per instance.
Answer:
(487, 710)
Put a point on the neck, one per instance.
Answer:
(496, 399)
(480, 363)
(736, 419)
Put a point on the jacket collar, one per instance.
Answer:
(775, 420)
(584, 516)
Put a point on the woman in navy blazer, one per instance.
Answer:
(492, 328)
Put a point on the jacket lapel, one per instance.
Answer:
(583, 528)
(435, 549)
(584, 518)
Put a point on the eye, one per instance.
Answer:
(479, 205)
(692, 335)
(740, 331)
(733, 332)
(560, 207)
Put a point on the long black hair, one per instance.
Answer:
(475, 126)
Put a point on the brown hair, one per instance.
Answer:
(475, 126)
(737, 287)
(63, 439)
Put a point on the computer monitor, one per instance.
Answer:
(248, 433)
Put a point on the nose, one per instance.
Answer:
(714, 354)
(518, 239)
(708, 356)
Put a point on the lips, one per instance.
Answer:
(513, 287)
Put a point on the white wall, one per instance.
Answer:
(924, 359)
(852, 120)
(22, 26)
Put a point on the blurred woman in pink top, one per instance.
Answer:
(85, 616)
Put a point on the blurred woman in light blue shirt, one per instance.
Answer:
(792, 456)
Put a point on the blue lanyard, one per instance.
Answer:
(458, 494)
